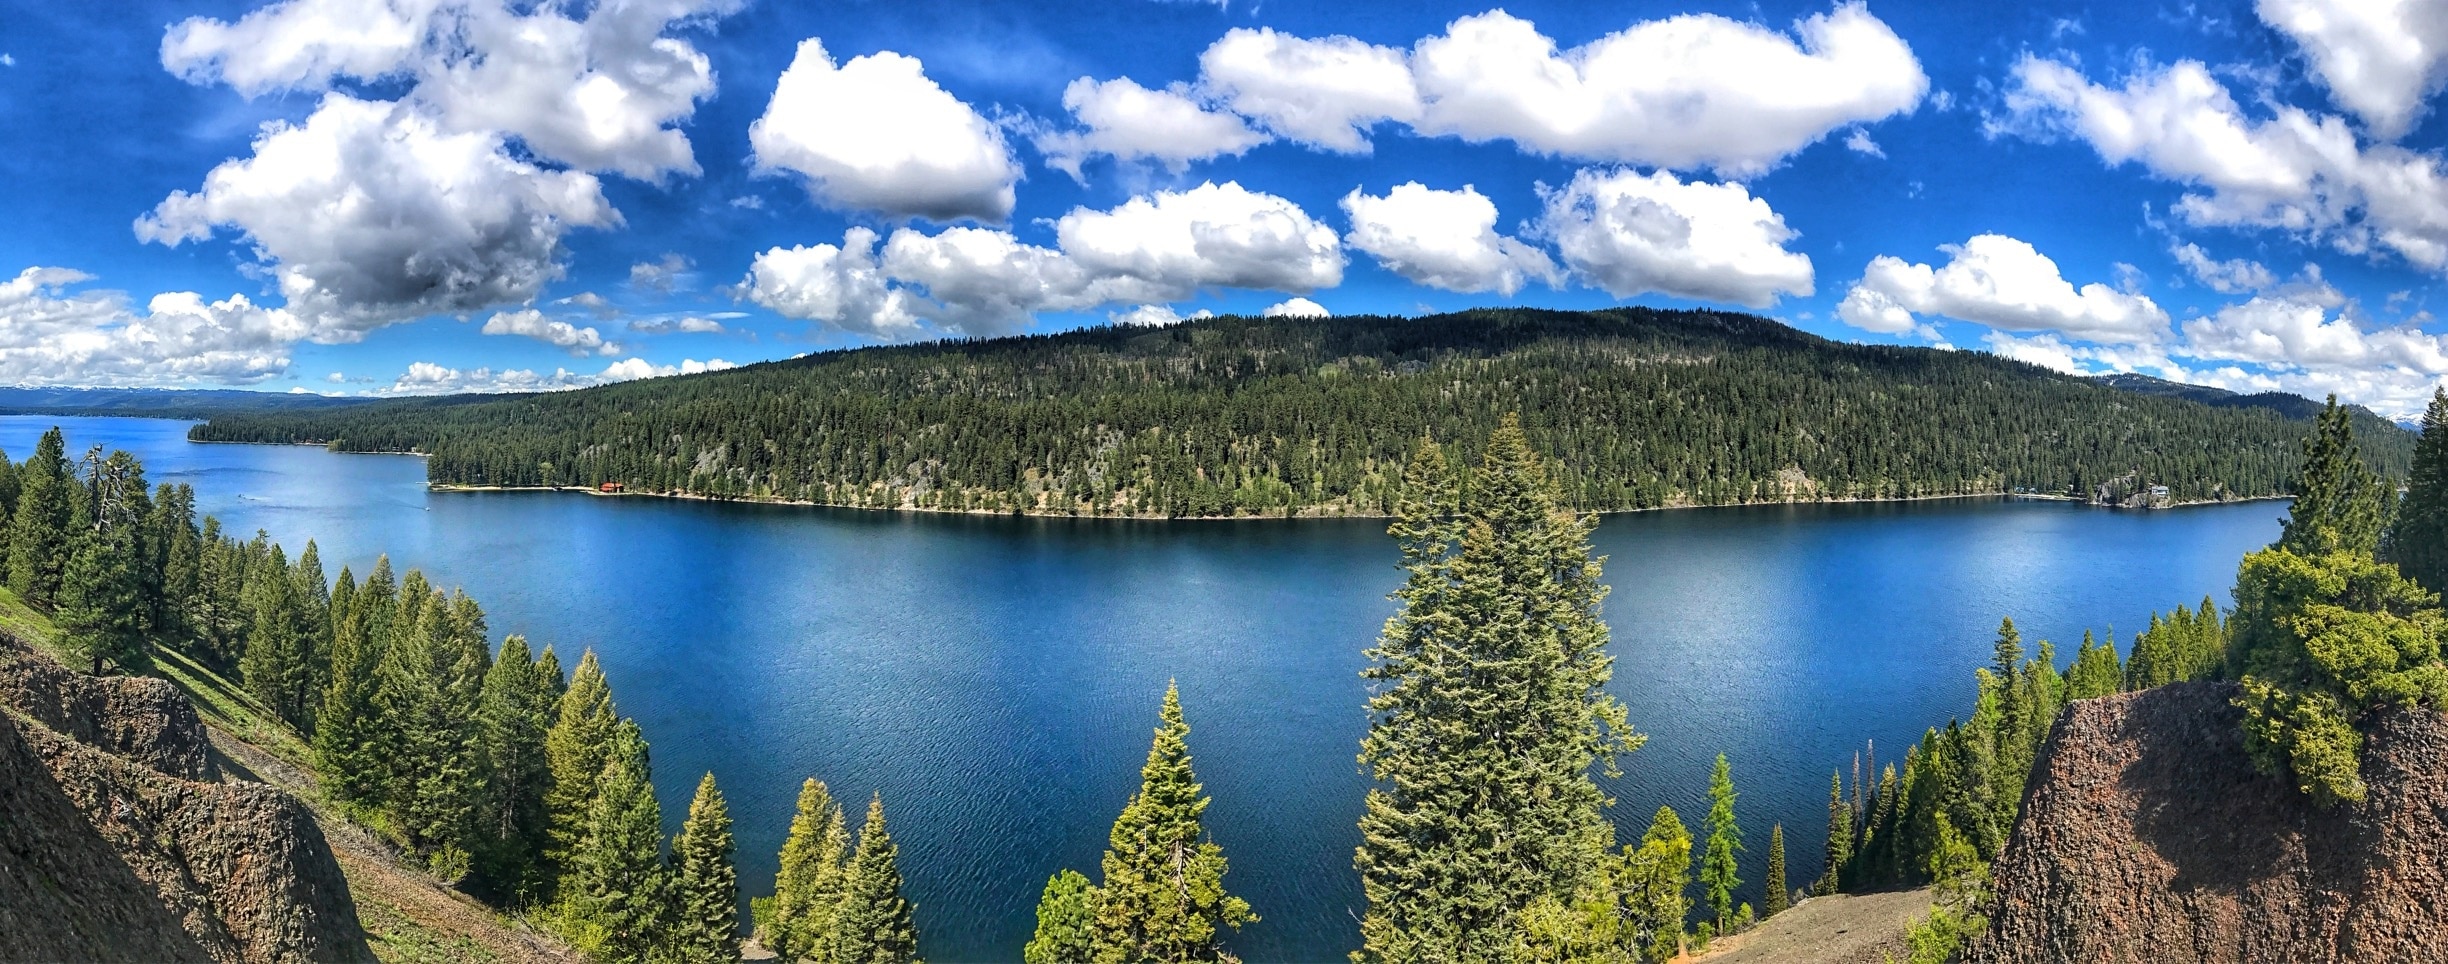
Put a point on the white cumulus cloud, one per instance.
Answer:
(368, 214)
(2232, 276)
(51, 335)
(1128, 122)
(1684, 92)
(2003, 283)
(2296, 171)
(875, 134)
(1443, 239)
(1155, 248)
(1629, 233)
(2381, 59)
(530, 323)
(1296, 308)
(603, 93)
(1325, 93)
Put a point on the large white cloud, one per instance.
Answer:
(1155, 248)
(1443, 239)
(875, 134)
(1225, 236)
(1685, 92)
(369, 214)
(840, 285)
(52, 335)
(1630, 233)
(1325, 93)
(2381, 59)
(2003, 283)
(2297, 171)
(1123, 120)
(601, 93)
(530, 323)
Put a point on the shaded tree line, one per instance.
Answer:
(1641, 408)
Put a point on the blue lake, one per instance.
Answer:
(996, 679)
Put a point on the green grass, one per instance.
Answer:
(23, 622)
(224, 704)
(397, 940)
(220, 701)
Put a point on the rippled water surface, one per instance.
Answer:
(997, 679)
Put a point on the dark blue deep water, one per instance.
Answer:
(996, 679)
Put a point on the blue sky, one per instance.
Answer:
(405, 196)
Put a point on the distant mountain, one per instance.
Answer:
(159, 402)
(1640, 408)
(2289, 405)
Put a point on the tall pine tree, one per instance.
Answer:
(1066, 921)
(705, 885)
(511, 715)
(1778, 897)
(875, 924)
(2418, 541)
(1489, 712)
(574, 752)
(808, 888)
(616, 897)
(1718, 863)
(2340, 503)
(100, 611)
(39, 535)
(1163, 899)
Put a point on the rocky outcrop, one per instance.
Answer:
(111, 857)
(143, 719)
(2147, 835)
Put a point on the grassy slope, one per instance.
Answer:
(409, 917)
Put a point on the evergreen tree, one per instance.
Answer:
(1163, 896)
(313, 597)
(2095, 672)
(574, 751)
(100, 606)
(705, 885)
(428, 691)
(39, 534)
(1489, 712)
(511, 715)
(808, 888)
(2418, 541)
(1656, 877)
(2340, 503)
(1778, 898)
(274, 663)
(345, 739)
(1717, 862)
(1840, 836)
(1066, 916)
(618, 899)
(875, 924)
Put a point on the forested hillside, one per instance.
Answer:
(1232, 416)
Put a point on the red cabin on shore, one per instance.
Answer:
(609, 487)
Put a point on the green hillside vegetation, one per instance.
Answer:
(1639, 408)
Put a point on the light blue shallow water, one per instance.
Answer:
(997, 679)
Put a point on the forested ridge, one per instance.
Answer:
(1642, 408)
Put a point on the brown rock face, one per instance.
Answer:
(2148, 836)
(114, 845)
(140, 718)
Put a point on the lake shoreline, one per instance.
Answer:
(1298, 517)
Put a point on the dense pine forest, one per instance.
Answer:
(1639, 408)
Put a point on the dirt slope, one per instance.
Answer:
(2148, 836)
(1836, 929)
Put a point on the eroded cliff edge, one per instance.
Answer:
(142, 856)
(2147, 835)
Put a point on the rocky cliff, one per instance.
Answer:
(2148, 836)
(136, 856)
